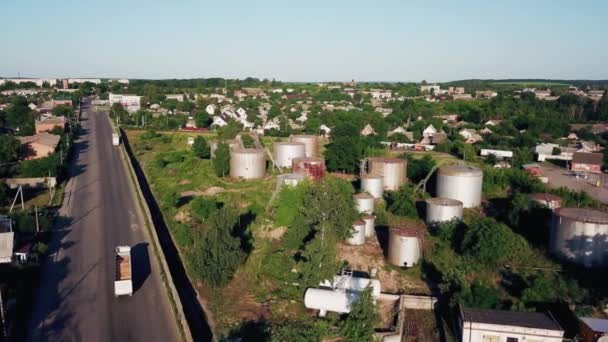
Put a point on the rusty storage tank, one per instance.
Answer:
(404, 246)
(358, 234)
(285, 152)
(313, 168)
(247, 163)
(311, 143)
(373, 185)
(460, 182)
(441, 209)
(370, 225)
(550, 201)
(580, 236)
(392, 170)
(364, 203)
(290, 179)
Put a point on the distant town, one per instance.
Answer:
(260, 210)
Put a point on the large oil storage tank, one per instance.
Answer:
(373, 185)
(358, 236)
(441, 209)
(285, 152)
(392, 170)
(311, 143)
(247, 163)
(404, 247)
(460, 182)
(580, 236)
(370, 225)
(364, 203)
(313, 168)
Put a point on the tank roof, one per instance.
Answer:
(460, 170)
(304, 136)
(371, 176)
(405, 231)
(368, 217)
(444, 201)
(308, 159)
(363, 195)
(387, 160)
(544, 196)
(289, 143)
(248, 150)
(583, 215)
(358, 223)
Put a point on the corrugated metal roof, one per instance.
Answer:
(596, 324)
(587, 158)
(511, 318)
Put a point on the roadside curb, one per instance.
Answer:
(166, 277)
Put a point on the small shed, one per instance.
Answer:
(587, 162)
(533, 169)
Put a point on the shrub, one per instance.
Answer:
(200, 148)
(203, 207)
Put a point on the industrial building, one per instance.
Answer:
(131, 103)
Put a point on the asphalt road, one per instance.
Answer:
(75, 300)
(561, 177)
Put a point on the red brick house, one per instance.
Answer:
(587, 162)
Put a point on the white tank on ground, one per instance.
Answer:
(326, 300)
(441, 209)
(364, 203)
(285, 152)
(373, 185)
(354, 284)
(580, 236)
(404, 247)
(460, 182)
(392, 170)
(310, 141)
(370, 225)
(358, 235)
(247, 163)
(290, 179)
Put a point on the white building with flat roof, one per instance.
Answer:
(38, 81)
(83, 80)
(131, 103)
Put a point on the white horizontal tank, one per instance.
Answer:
(326, 300)
(247, 163)
(373, 185)
(460, 182)
(285, 152)
(440, 210)
(404, 248)
(358, 234)
(364, 203)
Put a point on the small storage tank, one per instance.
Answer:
(285, 152)
(404, 247)
(550, 201)
(364, 203)
(460, 182)
(580, 236)
(290, 179)
(370, 225)
(313, 168)
(247, 163)
(373, 185)
(311, 143)
(392, 170)
(441, 209)
(358, 236)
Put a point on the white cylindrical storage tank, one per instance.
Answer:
(285, 152)
(370, 225)
(441, 209)
(290, 179)
(392, 170)
(404, 247)
(460, 182)
(358, 234)
(364, 203)
(311, 143)
(373, 185)
(580, 236)
(326, 300)
(247, 163)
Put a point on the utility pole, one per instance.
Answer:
(4, 333)
(36, 213)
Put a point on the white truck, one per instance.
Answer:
(115, 139)
(123, 283)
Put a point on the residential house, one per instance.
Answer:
(430, 88)
(541, 94)
(593, 329)
(324, 130)
(210, 109)
(455, 90)
(434, 139)
(429, 131)
(380, 93)
(384, 111)
(456, 97)
(49, 123)
(84, 80)
(449, 118)
(23, 92)
(242, 113)
(487, 94)
(218, 122)
(587, 162)
(190, 123)
(572, 136)
(39, 145)
(588, 146)
(368, 130)
(595, 95)
(32, 106)
(470, 135)
(403, 131)
(303, 117)
(272, 124)
(177, 97)
(482, 325)
(349, 91)
(500, 154)
(492, 123)
(486, 131)
(37, 81)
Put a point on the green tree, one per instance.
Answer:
(248, 141)
(221, 160)
(217, 252)
(493, 243)
(344, 154)
(203, 208)
(417, 169)
(202, 119)
(360, 323)
(402, 202)
(229, 131)
(9, 148)
(63, 110)
(201, 148)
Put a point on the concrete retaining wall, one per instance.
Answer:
(418, 302)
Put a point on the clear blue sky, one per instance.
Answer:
(305, 41)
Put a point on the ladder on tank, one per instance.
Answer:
(423, 182)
